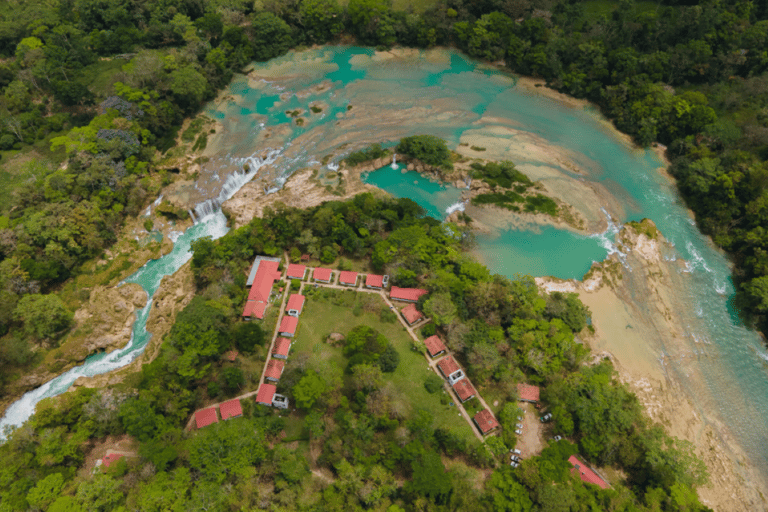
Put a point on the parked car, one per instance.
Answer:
(515, 458)
(516, 451)
(518, 432)
(519, 418)
(557, 438)
(546, 417)
(514, 464)
(519, 425)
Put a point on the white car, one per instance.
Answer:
(515, 458)
(519, 418)
(514, 464)
(518, 432)
(557, 438)
(516, 451)
(546, 417)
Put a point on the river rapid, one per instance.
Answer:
(361, 96)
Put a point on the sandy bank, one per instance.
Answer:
(640, 337)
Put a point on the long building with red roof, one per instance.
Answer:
(231, 409)
(464, 389)
(485, 421)
(406, 294)
(296, 271)
(586, 473)
(264, 273)
(295, 304)
(282, 348)
(411, 314)
(528, 393)
(435, 345)
(205, 417)
(288, 326)
(324, 275)
(348, 278)
(254, 309)
(274, 369)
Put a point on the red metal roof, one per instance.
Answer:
(231, 355)
(347, 277)
(274, 369)
(205, 417)
(322, 274)
(265, 394)
(231, 409)
(255, 309)
(434, 345)
(374, 280)
(296, 271)
(288, 324)
(295, 301)
(528, 392)
(464, 389)
(411, 294)
(448, 366)
(411, 314)
(282, 346)
(586, 474)
(265, 277)
(485, 421)
(111, 458)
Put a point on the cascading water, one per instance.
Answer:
(394, 165)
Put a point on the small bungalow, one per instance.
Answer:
(288, 326)
(205, 417)
(274, 369)
(254, 309)
(374, 281)
(295, 304)
(411, 314)
(528, 393)
(586, 473)
(435, 346)
(485, 421)
(464, 390)
(347, 278)
(406, 294)
(450, 369)
(323, 275)
(111, 458)
(282, 348)
(266, 394)
(231, 409)
(296, 271)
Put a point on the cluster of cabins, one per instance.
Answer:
(210, 415)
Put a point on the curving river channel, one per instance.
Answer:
(362, 97)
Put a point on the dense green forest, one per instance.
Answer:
(375, 456)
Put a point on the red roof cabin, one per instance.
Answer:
(266, 394)
(274, 369)
(111, 458)
(296, 271)
(254, 309)
(464, 389)
(295, 304)
(406, 294)
(528, 393)
(347, 278)
(231, 409)
(435, 345)
(448, 366)
(485, 421)
(282, 348)
(411, 314)
(324, 275)
(374, 281)
(288, 326)
(205, 417)
(586, 474)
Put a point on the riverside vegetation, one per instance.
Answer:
(375, 450)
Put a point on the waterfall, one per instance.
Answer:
(192, 216)
(394, 162)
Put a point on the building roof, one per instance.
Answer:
(412, 294)
(231, 355)
(322, 274)
(434, 345)
(586, 474)
(205, 417)
(528, 392)
(464, 389)
(295, 301)
(374, 280)
(411, 314)
(265, 277)
(255, 309)
(111, 458)
(485, 421)
(274, 369)
(296, 271)
(265, 394)
(347, 277)
(282, 346)
(288, 324)
(231, 409)
(448, 365)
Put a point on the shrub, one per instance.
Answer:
(428, 149)
(433, 384)
(428, 330)
(372, 152)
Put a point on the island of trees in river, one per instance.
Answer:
(104, 84)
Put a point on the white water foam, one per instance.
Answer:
(394, 165)
(720, 288)
(458, 206)
(696, 261)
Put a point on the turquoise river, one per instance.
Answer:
(366, 97)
